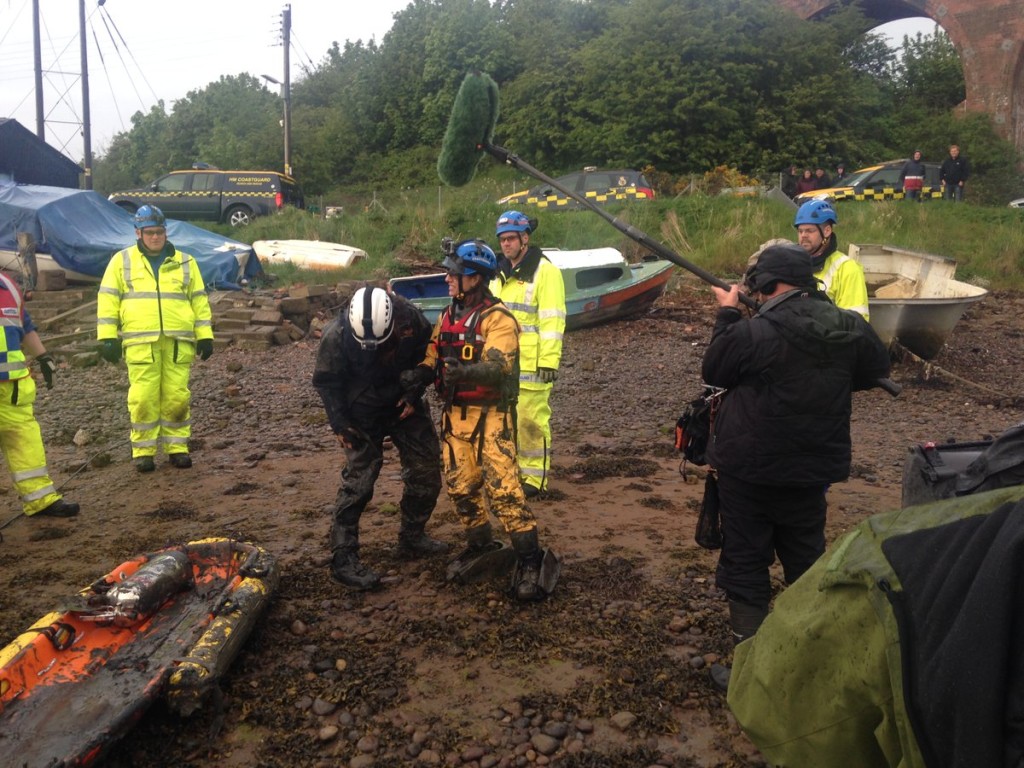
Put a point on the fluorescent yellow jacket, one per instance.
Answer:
(844, 282)
(535, 294)
(145, 306)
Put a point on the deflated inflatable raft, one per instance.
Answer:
(169, 622)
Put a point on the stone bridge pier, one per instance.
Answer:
(988, 35)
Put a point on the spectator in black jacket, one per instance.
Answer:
(782, 432)
(789, 179)
(954, 173)
(359, 371)
(821, 179)
(912, 177)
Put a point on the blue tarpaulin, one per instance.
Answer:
(82, 230)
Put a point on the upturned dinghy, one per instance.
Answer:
(167, 623)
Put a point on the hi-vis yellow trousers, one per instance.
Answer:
(534, 428)
(22, 445)
(159, 400)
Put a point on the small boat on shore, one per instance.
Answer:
(169, 622)
(307, 254)
(600, 285)
(913, 297)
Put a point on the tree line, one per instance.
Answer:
(674, 86)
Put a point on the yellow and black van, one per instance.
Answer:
(877, 182)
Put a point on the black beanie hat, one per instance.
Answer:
(788, 263)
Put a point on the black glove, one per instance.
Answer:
(48, 367)
(111, 350)
(454, 371)
(547, 375)
(415, 378)
(204, 348)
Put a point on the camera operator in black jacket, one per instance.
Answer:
(782, 433)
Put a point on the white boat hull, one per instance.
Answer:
(913, 297)
(307, 254)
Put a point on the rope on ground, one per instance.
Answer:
(67, 480)
(931, 369)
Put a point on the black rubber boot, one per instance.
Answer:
(346, 569)
(484, 557)
(59, 508)
(744, 619)
(413, 543)
(526, 579)
(478, 541)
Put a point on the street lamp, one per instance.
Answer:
(286, 95)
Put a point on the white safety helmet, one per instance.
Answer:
(371, 315)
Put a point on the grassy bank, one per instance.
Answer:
(402, 231)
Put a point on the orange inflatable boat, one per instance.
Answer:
(166, 623)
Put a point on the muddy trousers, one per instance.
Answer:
(159, 400)
(534, 433)
(760, 521)
(480, 468)
(418, 451)
(22, 445)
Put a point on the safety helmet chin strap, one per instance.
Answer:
(828, 245)
(460, 297)
(522, 246)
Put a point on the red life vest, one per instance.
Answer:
(459, 340)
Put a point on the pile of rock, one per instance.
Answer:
(261, 320)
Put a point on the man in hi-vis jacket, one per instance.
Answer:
(155, 296)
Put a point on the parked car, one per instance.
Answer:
(600, 186)
(877, 182)
(205, 193)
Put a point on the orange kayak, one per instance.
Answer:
(166, 623)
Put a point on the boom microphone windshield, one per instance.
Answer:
(470, 129)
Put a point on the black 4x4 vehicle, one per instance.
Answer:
(205, 193)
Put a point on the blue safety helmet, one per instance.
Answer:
(472, 257)
(149, 216)
(513, 221)
(816, 212)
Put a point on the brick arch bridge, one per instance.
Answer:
(988, 35)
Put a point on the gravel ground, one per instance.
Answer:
(611, 671)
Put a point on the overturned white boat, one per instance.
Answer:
(308, 254)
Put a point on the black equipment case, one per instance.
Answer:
(933, 471)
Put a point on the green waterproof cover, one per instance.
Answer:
(821, 683)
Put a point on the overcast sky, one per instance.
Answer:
(141, 52)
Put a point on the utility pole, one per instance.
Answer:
(38, 56)
(286, 33)
(86, 122)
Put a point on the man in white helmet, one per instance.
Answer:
(358, 370)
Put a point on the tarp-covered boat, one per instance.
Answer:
(80, 230)
(913, 297)
(169, 622)
(308, 254)
(600, 285)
